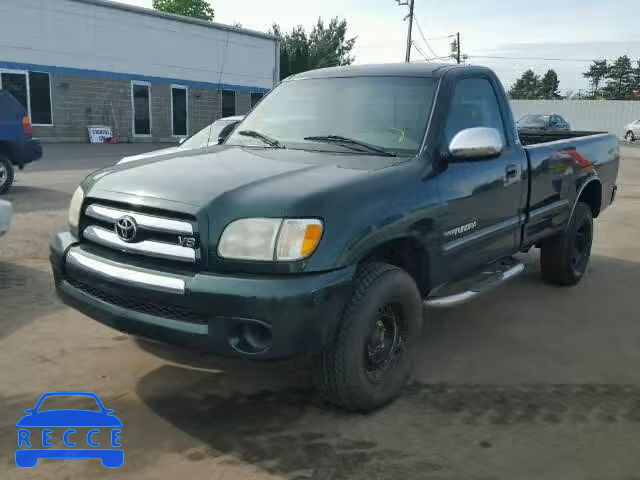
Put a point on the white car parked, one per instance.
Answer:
(5, 216)
(632, 132)
(206, 137)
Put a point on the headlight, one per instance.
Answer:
(74, 209)
(270, 239)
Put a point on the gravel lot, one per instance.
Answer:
(527, 382)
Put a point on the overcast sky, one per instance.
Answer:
(572, 29)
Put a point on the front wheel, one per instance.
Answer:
(372, 356)
(629, 137)
(564, 258)
(6, 174)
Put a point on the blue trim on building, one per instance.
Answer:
(129, 76)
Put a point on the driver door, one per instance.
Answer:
(482, 196)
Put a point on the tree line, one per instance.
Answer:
(610, 80)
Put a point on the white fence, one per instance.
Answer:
(599, 115)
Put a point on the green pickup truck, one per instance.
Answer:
(346, 200)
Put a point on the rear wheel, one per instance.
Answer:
(629, 137)
(6, 173)
(564, 258)
(372, 356)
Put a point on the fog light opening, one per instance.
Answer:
(251, 337)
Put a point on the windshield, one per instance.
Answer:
(534, 121)
(386, 112)
(201, 139)
(66, 402)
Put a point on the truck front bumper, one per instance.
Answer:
(242, 316)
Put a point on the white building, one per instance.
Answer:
(147, 74)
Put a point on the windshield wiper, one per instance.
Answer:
(261, 136)
(350, 143)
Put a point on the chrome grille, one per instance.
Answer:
(155, 236)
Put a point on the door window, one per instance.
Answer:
(33, 92)
(255, 98)
(16, 85)
(474, 104)
(228, 103)
(179, 111)
(40, 95)
(141, 109)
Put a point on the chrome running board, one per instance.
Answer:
(449, 295)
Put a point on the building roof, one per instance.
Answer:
(384, 69)
(177, 18)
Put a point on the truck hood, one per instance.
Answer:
(154, 153)
(199, 177)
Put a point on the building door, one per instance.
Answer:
(141, 98)
(16, 84)
(179, 117)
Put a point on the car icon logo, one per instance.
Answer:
(126, 228)
(80, 433)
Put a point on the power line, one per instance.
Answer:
(442, 36)
(537, 58)
(420, 51)
(448, 57)
(424, 38)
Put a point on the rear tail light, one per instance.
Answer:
(26, 125)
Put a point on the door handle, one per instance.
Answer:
(511, 174)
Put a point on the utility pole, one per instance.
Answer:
(407, 57)
(458, 45)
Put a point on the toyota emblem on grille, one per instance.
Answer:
(126, 228)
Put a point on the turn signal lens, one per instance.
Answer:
(298, 239)
(311, 239)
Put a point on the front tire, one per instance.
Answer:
(372, 355)
(629, 137)
(564, 259)
(6, 174)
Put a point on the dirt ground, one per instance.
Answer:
(527, 382)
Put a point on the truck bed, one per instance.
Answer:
(533, 137)
(560, 164)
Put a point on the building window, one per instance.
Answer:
(141, 98)
(255, 98)
(40, 96)
(32, 90)
(179, 111)
(228, 103)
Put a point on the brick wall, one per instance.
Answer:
(204, 108)
(79, 101)
(243, 103)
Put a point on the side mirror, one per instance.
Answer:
(181, 141)
(226, 131)
(476, 143)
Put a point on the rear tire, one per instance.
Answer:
(564, 258)
(6, 174)
(372, 355)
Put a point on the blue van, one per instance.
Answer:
(17, 147)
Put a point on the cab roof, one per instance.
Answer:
(386, 69)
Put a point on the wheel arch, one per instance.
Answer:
(405, 252)
(590, 193)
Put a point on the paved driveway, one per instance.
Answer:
(527, 382)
